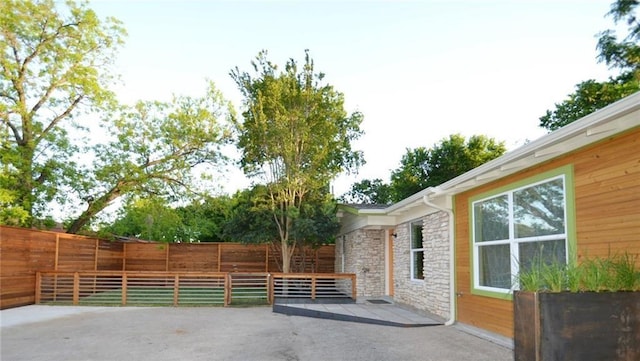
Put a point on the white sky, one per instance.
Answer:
(418, 70)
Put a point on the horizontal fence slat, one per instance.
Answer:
(186, 288)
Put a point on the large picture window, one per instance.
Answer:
(417, 252)
(516, 229)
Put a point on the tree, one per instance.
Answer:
(251, 217)
(204, 219)
(421, 168)
(295, 137)
(412, 175)
(589, 96)
(10, 214)
(251, 220)
(155, 218)
(53, 66)
(622, 55)
(155, 147)
(368, 192)
(147, 218)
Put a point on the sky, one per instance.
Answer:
(419, 71)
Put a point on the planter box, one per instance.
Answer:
(576, 326)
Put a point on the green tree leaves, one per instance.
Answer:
(589, 96)
(421, 168)
(155, 147)
(620, 54)
(53, 65)
(295, 137)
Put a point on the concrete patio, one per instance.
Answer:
(215, 333)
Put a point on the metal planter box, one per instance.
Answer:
(580, 326)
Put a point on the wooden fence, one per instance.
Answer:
(23, 252)
(136, 288)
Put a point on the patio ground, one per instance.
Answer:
(217, 333)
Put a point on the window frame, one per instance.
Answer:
(414, 251)
(569, 235)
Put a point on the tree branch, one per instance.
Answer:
(58, 118)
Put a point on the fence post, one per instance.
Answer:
(266, 261)
(176, 289)
(95, 260)
(227, 289)
(313, 287)
(124, 257)
(38, 287)
(219, 256)
(270, 296)
(124, 288)
(76, 287)
(55, 261)
(166, 256)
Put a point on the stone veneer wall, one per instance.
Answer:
(432, 294)
(364, 256)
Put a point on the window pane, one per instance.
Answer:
(416, 235)
(495, 266)
(491, 218)
(537, 253)
(418, 264)
(539, 210)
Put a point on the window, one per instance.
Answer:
(517, 228)
(417, 252)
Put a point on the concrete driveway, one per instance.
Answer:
(204, 333)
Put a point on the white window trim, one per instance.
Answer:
(512, 241)
(413, 251)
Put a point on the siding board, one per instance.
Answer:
(607, 204)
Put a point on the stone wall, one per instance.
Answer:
(363, 256)
(431, 294)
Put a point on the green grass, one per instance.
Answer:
(163, 296)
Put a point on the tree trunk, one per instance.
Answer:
(94, 208)
(287, 255)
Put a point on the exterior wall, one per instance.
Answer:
(432, 294)
(607, 216)
(363, 256)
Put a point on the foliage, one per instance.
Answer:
(421, 168)
(54, 64)
(620, 54)
(156, 219)
(154, 148)
(589, 96)
(615, 273)
(368, 192)
(413, 174)
(148, 219)
(295, 137)
(10, 214)
(204, 220)
(250, 217)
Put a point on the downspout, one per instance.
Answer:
(452, 293)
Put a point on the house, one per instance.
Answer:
(453, 250)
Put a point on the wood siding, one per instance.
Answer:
(607, 209)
